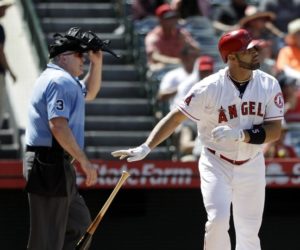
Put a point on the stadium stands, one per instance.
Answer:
(9, 139)
(123, 113)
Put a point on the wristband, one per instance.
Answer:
(257, 135)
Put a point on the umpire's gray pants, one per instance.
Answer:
(58, 223)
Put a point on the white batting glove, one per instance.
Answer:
(222, 133)
(135, 154)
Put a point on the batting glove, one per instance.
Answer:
(222, 133)
(133, 154)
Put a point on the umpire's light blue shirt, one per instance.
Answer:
(56, 94)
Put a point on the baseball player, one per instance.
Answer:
(236, 110)
(54, 138)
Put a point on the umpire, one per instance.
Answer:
(54, 139)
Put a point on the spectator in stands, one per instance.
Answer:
(184, 140)
(291, 96)
(171, 80)
(4, 65)
(280, 149)
(205, 67)
(144, 8)
(164, 43)
(255, 21)
(226, 17)
(289, 56)
(286, 11)
(259, 25)
(136, 9)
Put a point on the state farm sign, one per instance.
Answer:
(170, 174)
(157, 174)
(283, 173)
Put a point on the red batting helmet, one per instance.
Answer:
(235, 41)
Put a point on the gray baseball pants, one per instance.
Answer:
(57, 223)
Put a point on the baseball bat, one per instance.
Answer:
(85, 240)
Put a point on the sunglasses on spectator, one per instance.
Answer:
(75, 53)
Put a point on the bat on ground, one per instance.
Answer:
(85, 240)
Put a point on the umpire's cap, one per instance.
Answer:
(69, 42)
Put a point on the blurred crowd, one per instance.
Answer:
(176, 43)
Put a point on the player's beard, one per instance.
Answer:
(251, 66)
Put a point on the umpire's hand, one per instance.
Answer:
(90, 171)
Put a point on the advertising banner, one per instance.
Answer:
(156, 174)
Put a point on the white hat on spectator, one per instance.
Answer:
(293, 28)
(253, 13)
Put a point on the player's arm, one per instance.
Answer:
(165, 128)
(161, 131)
(268, 132)
(93, 78)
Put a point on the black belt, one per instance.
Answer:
(67, 156)
(227, 159)
(29, 148)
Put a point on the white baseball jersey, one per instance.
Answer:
(215, 101)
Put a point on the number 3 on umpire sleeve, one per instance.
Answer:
(59, 105)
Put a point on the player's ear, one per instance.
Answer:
(231, 57)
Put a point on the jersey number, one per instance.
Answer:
(59, 104)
